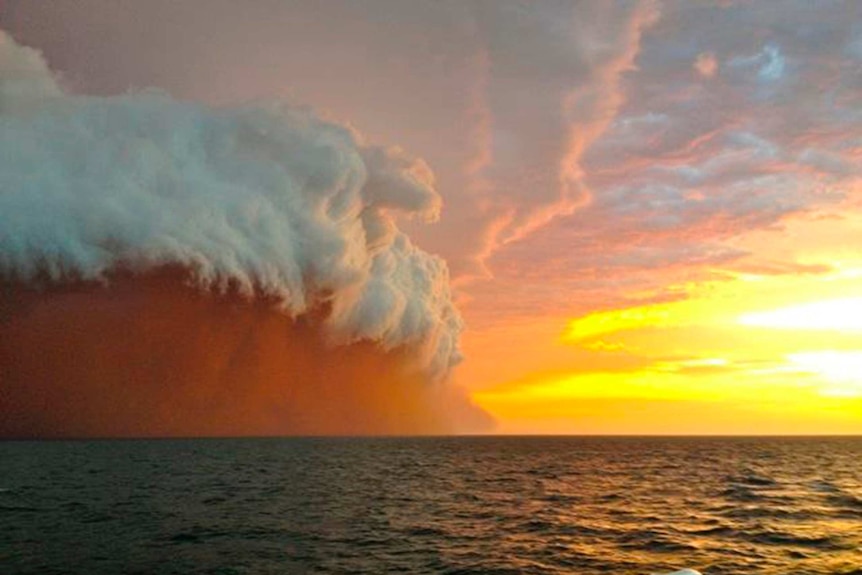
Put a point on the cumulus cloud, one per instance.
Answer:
(270, 199)
(132, 227)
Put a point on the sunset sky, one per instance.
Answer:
(651, 211)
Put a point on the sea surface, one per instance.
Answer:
(465, 505)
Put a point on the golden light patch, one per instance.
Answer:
(612, 321)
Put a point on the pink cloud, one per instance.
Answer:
(686, 166)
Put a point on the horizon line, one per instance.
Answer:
(443, 436)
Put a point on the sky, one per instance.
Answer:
(648, 211)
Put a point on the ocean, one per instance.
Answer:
(453, 505)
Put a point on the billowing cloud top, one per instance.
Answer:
(270, 200)
(501, 97)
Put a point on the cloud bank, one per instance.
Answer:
(256, 203)
(502, 97)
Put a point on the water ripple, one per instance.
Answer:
(554, 506)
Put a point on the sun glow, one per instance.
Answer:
(841, 370)
(739, 356)
(833, 315)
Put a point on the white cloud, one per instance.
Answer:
(269, 198)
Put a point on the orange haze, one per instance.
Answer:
(154, 356)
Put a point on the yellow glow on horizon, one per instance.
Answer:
(770, 345)
(704, 363)
(783, 401)
(838, 315)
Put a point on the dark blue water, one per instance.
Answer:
(432, 505)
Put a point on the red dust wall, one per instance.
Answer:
(152, 355)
